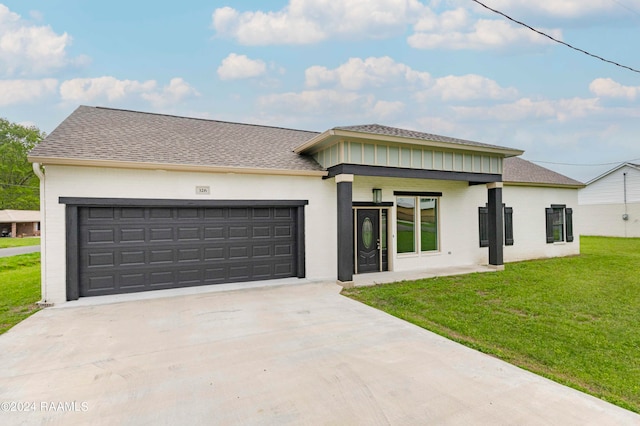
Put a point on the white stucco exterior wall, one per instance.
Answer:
(458, 221)
(69, 181)
(529, 222)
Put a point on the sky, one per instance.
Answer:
(449, 67)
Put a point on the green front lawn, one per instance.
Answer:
(19, 242)
(19, 288)
(574, 320)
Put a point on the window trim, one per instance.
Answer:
(567, 225)
(417, 222)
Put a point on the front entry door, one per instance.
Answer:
(368, 240)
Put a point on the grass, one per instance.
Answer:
(19, 242)
(19, 288)
(573, 319)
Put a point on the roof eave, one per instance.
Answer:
(607, 173)
(58, 161)
(546, 185)
(327, 136)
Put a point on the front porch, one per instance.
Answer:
(374, 278)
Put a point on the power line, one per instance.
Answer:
(555, 39)
(626, 7)
(585, 165)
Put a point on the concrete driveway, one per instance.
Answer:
(273, 355)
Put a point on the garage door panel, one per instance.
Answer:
(160, 234)
(160, 213)
(132, 213)
(132, 235)
(189, 255)
(128, 249)
(129, 258)
(132, 281)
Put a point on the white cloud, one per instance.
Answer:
(345, 105)
(357, 73)
(235, 67)
(30, 49)
(174, 92)
(526, 108)
(608, 88)
(465, 88)
(14, 92)
(110, 89)
(482, 35)
(387, 109)
(381, 72)
(313, 101)
(311, 21)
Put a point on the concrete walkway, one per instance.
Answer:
(14, 251)
(295, 354)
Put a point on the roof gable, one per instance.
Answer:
(616, 168)
(373, 133)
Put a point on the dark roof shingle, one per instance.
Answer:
(92, 133)
(378, 129)
(517, 170)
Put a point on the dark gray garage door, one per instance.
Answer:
(131, 249)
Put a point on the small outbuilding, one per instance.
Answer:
(19, 223)
(136, 201)
(610, 203)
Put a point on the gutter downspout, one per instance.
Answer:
(43, 239)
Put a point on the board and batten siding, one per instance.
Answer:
(71, 181)
(409, 156)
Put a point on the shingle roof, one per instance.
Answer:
(517, 170)
(378, 129)
(92, 133)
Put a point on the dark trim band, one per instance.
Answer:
(417, 194)
(383, 171)
(148, 202)
(370, 204)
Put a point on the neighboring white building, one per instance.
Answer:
(610, 203)
(135, 201)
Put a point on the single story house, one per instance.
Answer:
(609, 204)
(19, 223)
(136, 201)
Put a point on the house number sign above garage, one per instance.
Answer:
(203, 190)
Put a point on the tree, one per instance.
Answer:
(19, 186)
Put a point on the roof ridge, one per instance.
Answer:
(199, 119)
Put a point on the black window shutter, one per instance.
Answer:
(483, 218)
(549, 213)
(508, 226)
(568, 215)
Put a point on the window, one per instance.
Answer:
(559, 220)
(483, 221)
(417, 223)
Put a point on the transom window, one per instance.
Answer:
(417, 224)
